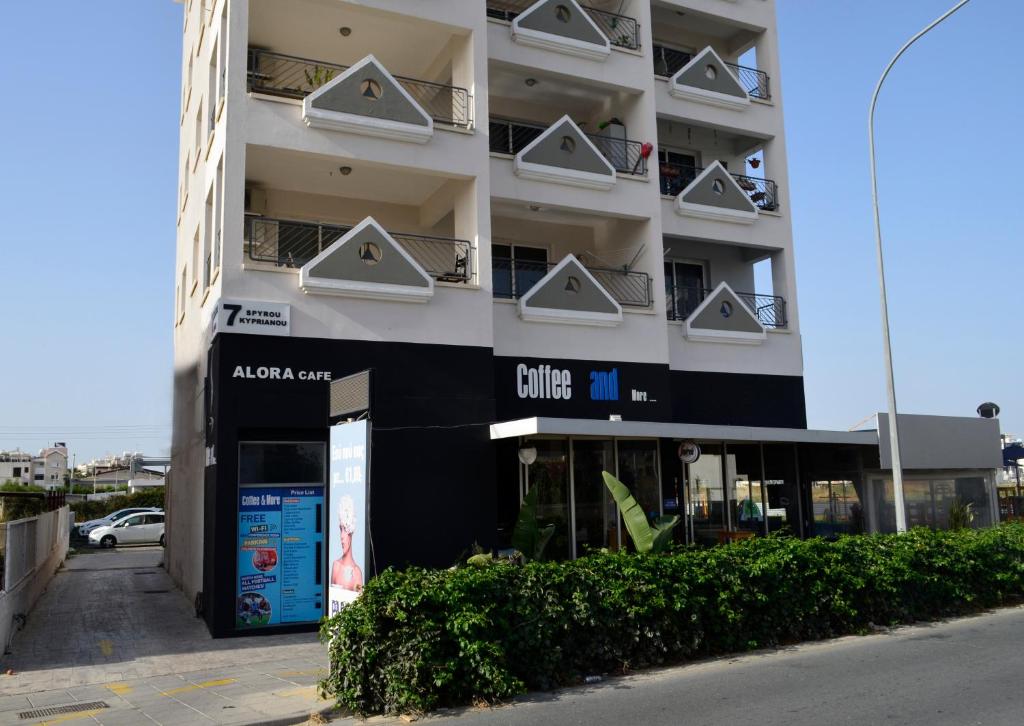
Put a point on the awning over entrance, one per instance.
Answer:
(652, 429)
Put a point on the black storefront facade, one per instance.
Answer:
(459, 435)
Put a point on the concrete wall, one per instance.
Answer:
(34, 549)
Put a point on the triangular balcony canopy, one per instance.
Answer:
(366, 99)
(715, 194)
(367, 262)
(569, 294)
(564, 155)
(562, 26)
(723, 318)
(707, 79)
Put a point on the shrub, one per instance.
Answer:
(97, 508)
(421, 639)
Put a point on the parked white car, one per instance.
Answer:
(86, 527)
(139, 528)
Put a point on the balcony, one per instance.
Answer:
(681, 301)
(674, 178)
(669, 61)
(292, 243)
(514, 278)
(511, 137)
(622, 31)
(286, 76)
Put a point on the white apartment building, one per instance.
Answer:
(526, 217)
(46, 469)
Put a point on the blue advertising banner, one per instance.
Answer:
(280, 555)
(347, 517)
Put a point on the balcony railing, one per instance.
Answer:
(511, 137)
(674, 178)
(681, 301)
(622, 30)
(291, 243)
(513, 278)
(668, 62)
(276, 74)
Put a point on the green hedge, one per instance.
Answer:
(420, 639)
(84, 511)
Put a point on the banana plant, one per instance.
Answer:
(528, 536)
(646, 537)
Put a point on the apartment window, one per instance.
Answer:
(685, 287)
(211, 90)
(221, 52)
(181, 298)
(199, 132)
(195, 261)
(218, 213)
(516, 268)
(207, 240)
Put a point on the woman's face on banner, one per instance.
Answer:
(346, 540)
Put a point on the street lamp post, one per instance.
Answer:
(894, 437)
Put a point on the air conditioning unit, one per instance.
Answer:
(255, 200)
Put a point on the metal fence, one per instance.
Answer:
(291, 243)
(682, 300)
(621, 30)
(277, 74)
(514, 278)
(669, 61)
(511, 137)
(674, 178)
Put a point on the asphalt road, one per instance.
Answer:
(966, 671)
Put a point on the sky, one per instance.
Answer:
(89, 184)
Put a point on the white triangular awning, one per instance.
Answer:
(563, 154)
(366, 99)
(561, 26)
(367, 262)
(723, 318)
(708, 79)
(570, 294)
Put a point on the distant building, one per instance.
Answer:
(49, 468)
(118, 477)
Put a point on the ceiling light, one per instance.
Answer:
(345, 170)
(531, 82)
(345, 31)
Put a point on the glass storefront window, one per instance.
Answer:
(836, 508)
(743, 477)
(550, 474)
(706, 505)
(596, 513)
(930, 499)
(638, 470)
(780, 483)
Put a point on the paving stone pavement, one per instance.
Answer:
(112, 627)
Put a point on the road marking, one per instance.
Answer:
(120, 688)
(106, 647)
(304, 691)
(314, 672)
(195, 686)
(72, 716)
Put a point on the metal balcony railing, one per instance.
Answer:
(513, 278)
(291, 243)
(674, 178)
(668, 61)
(622, 30)
(681, 301)
(511, 137)
(276, 74)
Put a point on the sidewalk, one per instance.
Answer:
(112, 628)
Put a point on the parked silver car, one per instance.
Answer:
(86, 527)
(139, 528)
